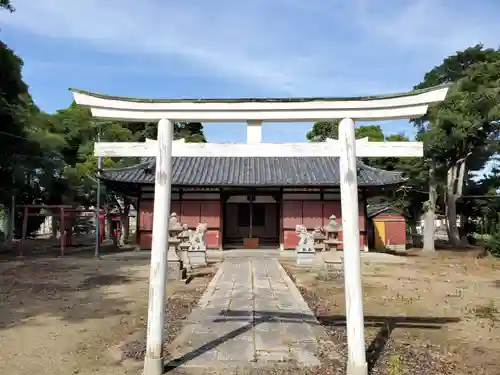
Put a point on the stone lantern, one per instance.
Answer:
(175, 271)
(332, 231)
(319, 238)
(184, 238)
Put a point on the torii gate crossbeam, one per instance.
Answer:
(254, 112)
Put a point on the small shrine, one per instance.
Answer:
(332, 234)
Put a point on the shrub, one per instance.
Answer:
(493, 243)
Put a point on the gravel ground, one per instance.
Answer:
(71, 315)
(431, 316)
(179, 305)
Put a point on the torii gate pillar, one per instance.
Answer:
(153, 361)
(356, 361)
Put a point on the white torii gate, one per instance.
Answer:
(254, 112)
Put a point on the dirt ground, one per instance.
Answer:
(72, 315)
(431, 315)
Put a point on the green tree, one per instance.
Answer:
(321, 131)
(408, 198)
(461, 133)
(6, 4)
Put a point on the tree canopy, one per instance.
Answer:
(6, 4)
(460, 135)
(48, 158)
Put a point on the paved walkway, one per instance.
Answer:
(250, 312)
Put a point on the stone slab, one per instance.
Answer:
(250, 312)
(175, 270)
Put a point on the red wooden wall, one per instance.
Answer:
(189, 212)
(313, 214)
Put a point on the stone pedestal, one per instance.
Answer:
(335, 269)
(183, 255)
(306, 258)
(197, 257)
(175, 270)
(175, 267)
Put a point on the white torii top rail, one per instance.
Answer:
(394, 106)
(254, 112)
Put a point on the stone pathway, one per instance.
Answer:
(250, 312)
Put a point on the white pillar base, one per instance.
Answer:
(356, 369)
(154, 366)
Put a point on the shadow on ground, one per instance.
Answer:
(69, 288)
(387, 325)
(373, 351)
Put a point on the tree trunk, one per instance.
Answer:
(54, 225)
(430, 212)
(125, 222)
(7, 226)
(451, 215)
(454, 189)
(108, 232)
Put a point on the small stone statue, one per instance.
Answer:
(305, 247)
(306, 240)
(197, 239)
(197, 250)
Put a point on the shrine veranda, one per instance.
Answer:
(286, 176)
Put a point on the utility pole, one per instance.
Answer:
(98, 200)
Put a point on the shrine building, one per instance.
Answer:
(257, 198)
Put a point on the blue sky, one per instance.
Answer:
(224, 48)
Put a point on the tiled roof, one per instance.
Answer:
(375, 209)
(252, 171)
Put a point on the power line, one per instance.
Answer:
(14, 136)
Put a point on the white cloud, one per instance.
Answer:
(299, 47)
(433, 26)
